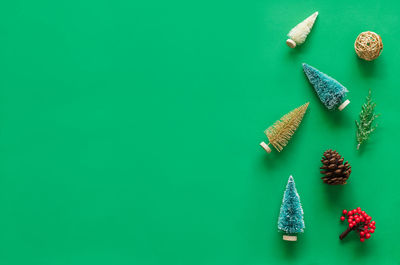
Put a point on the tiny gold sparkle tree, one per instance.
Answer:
(282, 130)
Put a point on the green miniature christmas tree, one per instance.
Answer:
(331, 93)
(367, 116)
(291, 219)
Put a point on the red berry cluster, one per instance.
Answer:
(360, 222)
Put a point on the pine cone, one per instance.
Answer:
(333, 168)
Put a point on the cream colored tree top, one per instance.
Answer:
(299, 33)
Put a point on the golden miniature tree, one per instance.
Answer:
(282, 130)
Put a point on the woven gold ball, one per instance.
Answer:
(368, 45)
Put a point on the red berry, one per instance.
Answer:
(365, 227)
(371, 231)
(373, 227)
(362, 219)
(342, 218)
(367, 235)
(357, 220)
(362, 233)
(344, 211)
(363, 212)
(350, 213)
(373, 222)
(351, 225)
(358, 209)
(350, 220)
(362, 239)
(354, 223)
(368, 218)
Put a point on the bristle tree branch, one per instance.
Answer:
(367, 116)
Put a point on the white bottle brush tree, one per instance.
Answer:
(299, 33)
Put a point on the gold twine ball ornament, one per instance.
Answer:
(368, 45)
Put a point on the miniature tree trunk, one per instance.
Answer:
(266, 147)
(289, 238)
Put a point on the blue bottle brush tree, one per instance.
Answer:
(330, 92)
(291, 219)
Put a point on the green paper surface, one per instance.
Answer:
(130, 131)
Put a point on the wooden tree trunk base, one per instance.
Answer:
(344, 104)
(266, 147)
(291, 43)
(289, 238)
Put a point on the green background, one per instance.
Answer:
(130, 130)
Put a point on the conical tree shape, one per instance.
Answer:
(282, 130)
(299, 33)
(291, 219)
(329, 91)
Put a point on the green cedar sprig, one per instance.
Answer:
(367, 116)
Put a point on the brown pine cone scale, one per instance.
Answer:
(336, 173)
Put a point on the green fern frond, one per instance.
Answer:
(367, 116)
